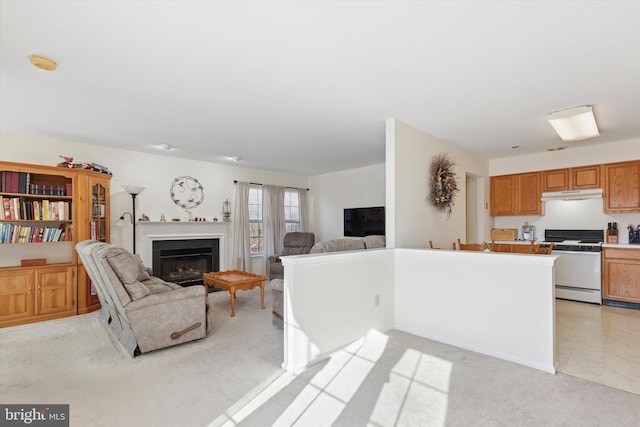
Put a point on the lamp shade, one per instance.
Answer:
(574, 124)
(131, 189)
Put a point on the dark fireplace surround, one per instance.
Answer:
(185, 261)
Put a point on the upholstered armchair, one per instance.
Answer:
(144, 312)
(295, 243)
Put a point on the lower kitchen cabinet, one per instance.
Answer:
(34, 294)
(621, 275)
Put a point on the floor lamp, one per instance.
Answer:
(133, 191)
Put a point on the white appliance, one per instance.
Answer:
(578, 271)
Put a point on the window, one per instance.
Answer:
(255, 220)
(291, 210)
(256, 230)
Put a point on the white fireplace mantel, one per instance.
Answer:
(151, 231)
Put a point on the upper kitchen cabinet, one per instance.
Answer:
(622, 187)
(580, 178)
(517, 194)
(586, 177)
(528, 191)
(503, 195)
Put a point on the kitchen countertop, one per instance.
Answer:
(621, 245)
(513, 242)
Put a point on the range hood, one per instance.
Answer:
(595, 193)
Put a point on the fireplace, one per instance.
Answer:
(185, 261)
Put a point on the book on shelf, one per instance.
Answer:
(16, 233)
(17, 208)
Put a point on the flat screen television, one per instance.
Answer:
(360, 222)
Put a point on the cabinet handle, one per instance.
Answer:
(38, 288)
(29, 290)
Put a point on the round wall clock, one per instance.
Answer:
(186, 192)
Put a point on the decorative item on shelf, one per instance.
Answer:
(144, 218)
(215, 219)
(634, 235)
(226, 211)
(163, 218)
(186, 192)
(133, 191)
(175, 219)
(443, 183)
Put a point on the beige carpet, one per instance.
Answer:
(232, 377)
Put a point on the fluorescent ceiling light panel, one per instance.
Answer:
(574, 124)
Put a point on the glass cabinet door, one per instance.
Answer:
(99, 224)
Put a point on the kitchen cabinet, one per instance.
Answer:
(586, 177)
(556, 180)
(503, 195)
(528, 192)
(35, 294)
(621, 275)
(622, 187)
(517, 194)
(580, 178)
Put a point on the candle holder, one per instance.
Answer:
(226, 211)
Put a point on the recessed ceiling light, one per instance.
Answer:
(561, 147)
(43, 62)
(165, 147)
(234, 158)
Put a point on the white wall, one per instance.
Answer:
(571, 157)
(330, 301)
(498, 304)
(410, 214)
(331, 193)
(154, 171)
(576, 214)
(571, 214)
(502, 305)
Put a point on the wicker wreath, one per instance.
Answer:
(443, 183)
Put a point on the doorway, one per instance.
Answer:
(473, 197)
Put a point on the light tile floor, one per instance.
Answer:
(599, 343)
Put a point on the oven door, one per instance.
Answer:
(578, 276)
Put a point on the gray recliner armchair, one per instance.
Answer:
(295, 243)
(144, 312)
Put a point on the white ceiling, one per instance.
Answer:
(305, 87)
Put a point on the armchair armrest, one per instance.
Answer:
(168, 318)
(274, 258)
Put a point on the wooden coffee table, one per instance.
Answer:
(232, 280)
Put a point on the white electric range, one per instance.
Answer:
(578, 269)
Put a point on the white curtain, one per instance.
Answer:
(273, 219)
(302, 209)
(241, 259)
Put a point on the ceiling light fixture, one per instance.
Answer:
(43, 62)
(234, 158)
(574, 124)
(165, 147)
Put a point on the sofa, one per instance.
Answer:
(144, 312)
(294, 243)
(349, 244)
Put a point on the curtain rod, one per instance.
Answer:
(235, 181)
